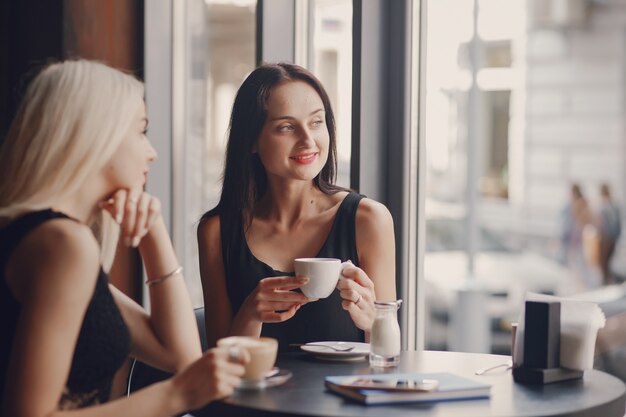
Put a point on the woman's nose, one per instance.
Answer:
(152, 153)
(306, 136)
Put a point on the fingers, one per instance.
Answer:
(282, 283)
(273, 301)
(115, 205)
(278, 317)
(130, 215)
(351, 306)
(357, 275)
(353, 291)
(154, 211)
(135, 211)
(211, 377)
(278, 289)
(140, 228)
(353, 296)
(225, 369)
(233, 354)
(275, 306)
(357, 292)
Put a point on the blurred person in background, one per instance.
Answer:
(610, 229)
(578, 237)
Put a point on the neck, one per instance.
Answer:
(288, 202)
(83, 205)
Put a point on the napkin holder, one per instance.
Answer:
(542, 346)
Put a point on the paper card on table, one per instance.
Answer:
(448, 387)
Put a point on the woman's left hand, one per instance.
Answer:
(135, 211)
(357, 291)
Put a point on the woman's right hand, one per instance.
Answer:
(272, 301)
(135, 211)
(215, 375)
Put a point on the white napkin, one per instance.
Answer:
(580, 321)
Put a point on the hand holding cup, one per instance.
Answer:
(357, 291)
(215, 375)
(273, 300)
(323, 274)
(262, 352)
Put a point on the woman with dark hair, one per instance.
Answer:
(279, 203)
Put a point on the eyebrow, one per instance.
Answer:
(292, 118)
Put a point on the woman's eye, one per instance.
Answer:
(285, 128)
(317, 123)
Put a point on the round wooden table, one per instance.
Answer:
(596, 394)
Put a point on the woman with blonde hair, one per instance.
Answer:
(76, 156)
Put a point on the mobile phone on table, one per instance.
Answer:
(393, 384)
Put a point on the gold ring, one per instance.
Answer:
(132, 200)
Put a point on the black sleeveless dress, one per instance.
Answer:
(317, 321)
(103, 342)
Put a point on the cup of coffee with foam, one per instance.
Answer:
(323, 274)
(262, 351)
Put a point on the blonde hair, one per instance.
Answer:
(73, 117)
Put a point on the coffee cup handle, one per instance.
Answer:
(344, 265)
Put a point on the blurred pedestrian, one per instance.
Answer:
(610, 228)
(576, 218)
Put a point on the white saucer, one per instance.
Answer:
(274, 377)
(320, 351)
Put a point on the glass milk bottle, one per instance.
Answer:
(385, 337)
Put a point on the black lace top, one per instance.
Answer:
(319, 321)
(103, 342)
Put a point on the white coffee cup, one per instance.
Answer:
(323, 274)
(262, 351)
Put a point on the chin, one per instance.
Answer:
(309, 174)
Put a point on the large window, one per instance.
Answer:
(518, 101)
(523, 100)
(219, 52)
(331, 44)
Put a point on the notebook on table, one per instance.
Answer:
(406, 387)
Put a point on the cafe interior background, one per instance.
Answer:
(469, 119)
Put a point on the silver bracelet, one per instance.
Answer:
(151, 282)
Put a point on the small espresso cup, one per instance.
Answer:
(323, 274)
(262, 351)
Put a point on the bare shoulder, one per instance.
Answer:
(209, 229)
(372, 214)
(210, 243)
(338, 197)
(67, 255)
(65, 236)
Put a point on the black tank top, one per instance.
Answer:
(321, 320)
(103, 342)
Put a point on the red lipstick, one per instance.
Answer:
(304, 158)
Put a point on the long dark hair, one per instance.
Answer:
(244, 180)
